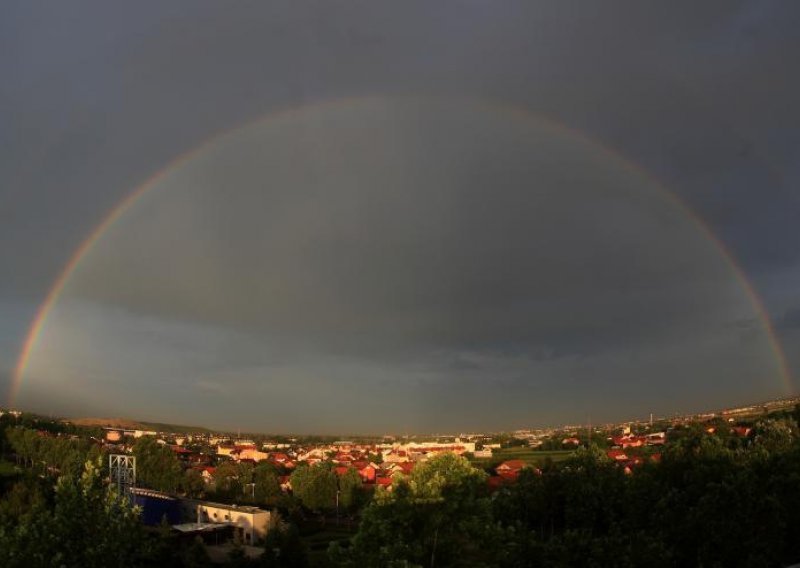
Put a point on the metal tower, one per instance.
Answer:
(123, 472)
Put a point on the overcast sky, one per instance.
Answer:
(421, 217)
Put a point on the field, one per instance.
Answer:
(533, 457)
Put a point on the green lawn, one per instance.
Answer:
(534, 457)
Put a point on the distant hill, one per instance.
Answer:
(126, 424)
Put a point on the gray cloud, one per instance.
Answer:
(452, 260)
(423, 247)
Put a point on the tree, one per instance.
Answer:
(193, 484)
(351, 492)
(439, 516)
(284, 549)
(88, 526)
(232, 478)
(268, 487)
(156, 465)
(315, 486)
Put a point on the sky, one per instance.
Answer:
(370, 217)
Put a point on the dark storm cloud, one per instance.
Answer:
(96, 99)
(429, 220)
(414, 249)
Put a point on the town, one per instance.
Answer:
(230, 492)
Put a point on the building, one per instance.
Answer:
(156, 506)
(251, 523)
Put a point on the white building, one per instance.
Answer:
(251, 523)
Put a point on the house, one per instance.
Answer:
(742, 431)
(393, 456)
(368, 473)
(226, 450)
(180, 452)
(510, 469)
(252, 454)
(207, 473)
(629, 441)
(617, 455)
(511, 466)
(406, 467)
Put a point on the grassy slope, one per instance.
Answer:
(526, 454)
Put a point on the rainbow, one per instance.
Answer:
(51, 299)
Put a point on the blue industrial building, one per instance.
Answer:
(156, 506)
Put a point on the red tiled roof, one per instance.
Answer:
(617, 455)
(513, 465)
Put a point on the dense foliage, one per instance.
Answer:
(439, 515)
(713, 500)
(87, 525)
(315, 486)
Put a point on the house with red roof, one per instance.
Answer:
(617, 455)
(511, 466)
(368, 473)
(207, 473)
